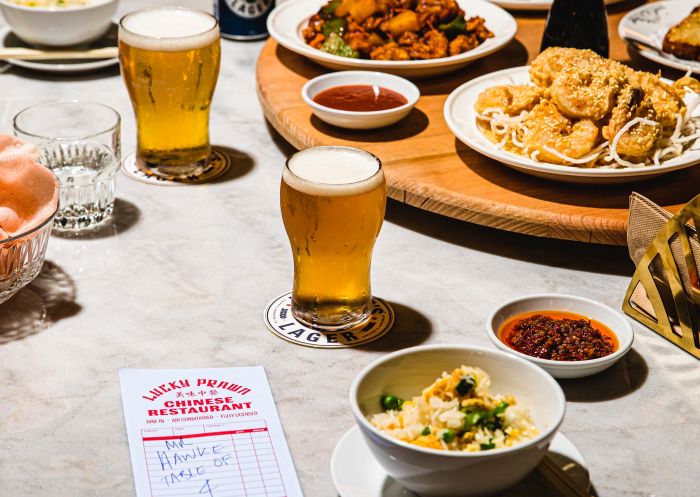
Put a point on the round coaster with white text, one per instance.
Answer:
(280, 321)
(218, 164)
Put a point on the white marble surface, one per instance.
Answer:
(180, 279)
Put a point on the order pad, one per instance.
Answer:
(206, 432)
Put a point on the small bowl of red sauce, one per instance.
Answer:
(568, 336)
(360, 99)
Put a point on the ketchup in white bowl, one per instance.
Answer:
(360, 98)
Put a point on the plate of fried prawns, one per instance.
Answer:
(413, 38)
(577, 117)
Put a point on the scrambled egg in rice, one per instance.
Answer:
(51, 3)
(457, 412)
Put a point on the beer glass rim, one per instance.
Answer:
(168, 7)
(341, 147)
(18, 128)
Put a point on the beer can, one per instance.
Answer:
(243, 19)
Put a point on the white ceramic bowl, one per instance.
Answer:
(59, 26)
(360, 120)
(614, 320)
(433, 473)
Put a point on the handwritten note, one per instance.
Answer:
(206, 432)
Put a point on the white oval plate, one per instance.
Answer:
(461, 118)
(9, 40)
(534, 4)
(287, 20)
(651, 22)
(356, 473)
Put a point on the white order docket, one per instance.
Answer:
(211, 432)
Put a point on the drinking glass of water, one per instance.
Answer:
(81, 143)
(86, 173)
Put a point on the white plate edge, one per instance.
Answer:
(55, 68)
(668, 60)
(559, 439)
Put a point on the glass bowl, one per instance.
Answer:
(22, 256)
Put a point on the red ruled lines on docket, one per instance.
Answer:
(212, 460)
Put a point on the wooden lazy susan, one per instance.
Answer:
(427, 167)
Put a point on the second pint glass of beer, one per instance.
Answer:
(333, 201)
(169, 59)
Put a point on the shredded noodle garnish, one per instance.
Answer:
(582, 160)
(511, 130)
(623, 130)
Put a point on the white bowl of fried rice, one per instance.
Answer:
(58, 23)
(456, 420)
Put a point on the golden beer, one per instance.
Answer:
(333, 201)
(170, 62)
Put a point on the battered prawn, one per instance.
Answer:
(666, 100)
(685, 83)
(642, 139)
(512, 99)
(585, 110)
(548, 130)
(555, 59)
(587, 93)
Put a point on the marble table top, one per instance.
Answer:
(180, 276)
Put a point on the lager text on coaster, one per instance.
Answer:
(280, 321)
(219, 163)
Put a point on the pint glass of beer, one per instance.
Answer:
(333, 201)
(169, 58)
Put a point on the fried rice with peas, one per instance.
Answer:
(457, 412)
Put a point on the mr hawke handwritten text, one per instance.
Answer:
(183, 461)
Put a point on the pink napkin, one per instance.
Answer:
(28, 190)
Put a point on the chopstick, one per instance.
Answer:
(33, 54)
(559, 479)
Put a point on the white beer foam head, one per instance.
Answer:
(168, 29)
(333, 171)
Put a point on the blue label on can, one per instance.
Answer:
(243, 18)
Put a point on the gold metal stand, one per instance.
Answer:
(665, 290)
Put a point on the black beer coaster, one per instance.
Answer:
(219, 163)
(280, 321)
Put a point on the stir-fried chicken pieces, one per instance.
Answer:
(394, 29)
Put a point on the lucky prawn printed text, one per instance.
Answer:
(217, 393)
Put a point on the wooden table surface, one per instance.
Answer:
(426, 166)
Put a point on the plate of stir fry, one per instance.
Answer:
(404, 37)
(577, 117)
